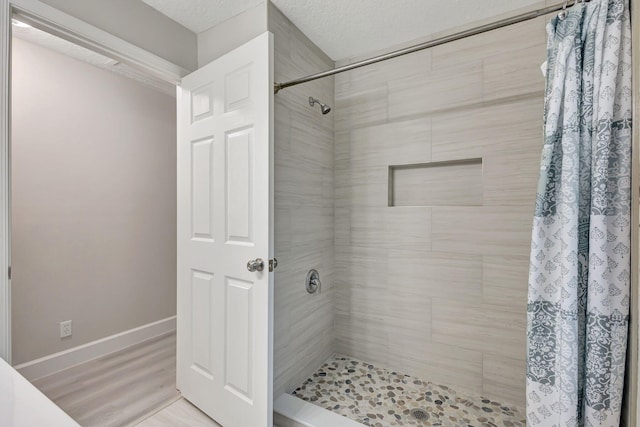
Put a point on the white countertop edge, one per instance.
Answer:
(23, 405)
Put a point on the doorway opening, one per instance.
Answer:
(93, 184)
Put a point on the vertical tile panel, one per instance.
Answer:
(453, 366)
(304, 201)
(435, 290)
(511, 179)
(505, 280)
(368, 187)
(485, 230)
(506, 128)
(437, 274)
(342, 172)
(391, 144)
(362, 108)
(440, 90)
(509, 39)
(368, 227)
(504, 379)
(514, 73)
(485, 328)
(408, 228)
(416, 65)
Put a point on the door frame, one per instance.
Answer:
(47, 18)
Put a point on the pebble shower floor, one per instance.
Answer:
(378, 397)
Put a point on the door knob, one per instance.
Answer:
(255, 265)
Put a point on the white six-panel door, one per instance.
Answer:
(224, 220)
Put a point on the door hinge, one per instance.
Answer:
(273, 264)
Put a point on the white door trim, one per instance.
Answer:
(72, 29)
(5, 225)
(47, 18)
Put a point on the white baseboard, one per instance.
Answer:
(53, 363)
(306, 414)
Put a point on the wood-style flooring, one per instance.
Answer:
(179, 414)
(122, 388)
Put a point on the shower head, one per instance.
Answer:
(323, 107)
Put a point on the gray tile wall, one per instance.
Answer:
(439, 290)
(304, 210)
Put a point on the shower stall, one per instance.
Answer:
(413, 199)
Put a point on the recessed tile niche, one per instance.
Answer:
(448, 183)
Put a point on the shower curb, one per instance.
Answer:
(309, 415)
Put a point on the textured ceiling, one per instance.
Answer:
(200, 15)
(348, 28)
(64, 47)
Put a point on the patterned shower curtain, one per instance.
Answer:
(579, 279)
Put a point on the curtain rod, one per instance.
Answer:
(432, 43)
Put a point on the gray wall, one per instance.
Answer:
(137, 23)
(303, 208)
(230, 34)
(436, 286)
(94, 196)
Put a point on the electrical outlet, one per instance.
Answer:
(65, 329)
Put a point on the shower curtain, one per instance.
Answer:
(579, 279)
